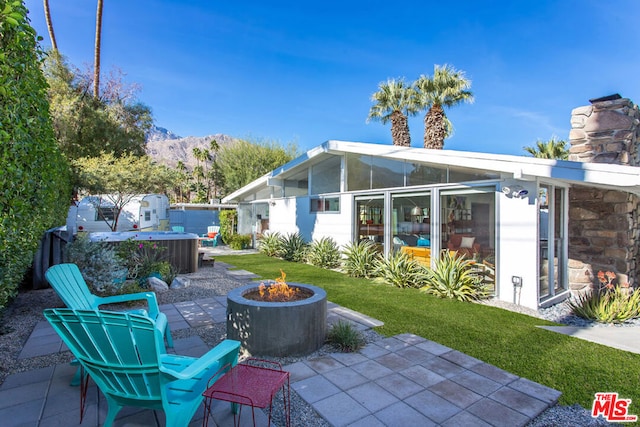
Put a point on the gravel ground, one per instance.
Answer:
(18, 320)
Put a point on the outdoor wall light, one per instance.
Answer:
(515, 191)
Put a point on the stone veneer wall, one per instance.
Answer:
(603, 224)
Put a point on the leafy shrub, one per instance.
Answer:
(453, 277)
(399, 270)
(345, 336)
(34, 176)
(294, 247)
(99, 264)
(270, 244)
(610, 303)
(324, 253)
(361, 259)
(228, 220)
(131, 287)
(143, 258)
(239, 241)
(168, 272)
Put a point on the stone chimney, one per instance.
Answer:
(605, 131)
(603, 224)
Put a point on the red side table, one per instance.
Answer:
(248, 384)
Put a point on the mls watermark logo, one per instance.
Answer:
(612, 408)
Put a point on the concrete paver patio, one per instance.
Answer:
(397, 381)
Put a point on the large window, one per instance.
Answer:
(387, 173)
(359, 172)
(419, 174)
(551, 211)
(468, 227)
(325, 176)
(411, 225)
(369, 172)
(370, 219)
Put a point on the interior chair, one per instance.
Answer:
(464, 244)
(124, 354)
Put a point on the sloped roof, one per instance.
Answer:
(618, 177)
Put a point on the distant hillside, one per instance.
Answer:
(167, 148)
(157, 133)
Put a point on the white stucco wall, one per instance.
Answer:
(291, 215)
(517, 246)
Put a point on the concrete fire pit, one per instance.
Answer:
(277, 328)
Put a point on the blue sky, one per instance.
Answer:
(296, 72)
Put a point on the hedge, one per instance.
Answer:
(34, 176)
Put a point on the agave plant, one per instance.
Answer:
(361, 259)
(399, 270)
(616, 305)
(454, 277)
(324, 253)
(294, 247)
(271, 244)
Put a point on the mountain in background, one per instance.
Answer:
(156, 133)
(167, 148)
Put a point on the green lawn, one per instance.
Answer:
(508, 340)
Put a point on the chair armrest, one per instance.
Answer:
(451, 247)
(224, 353)
(476, 247)
(150, 297)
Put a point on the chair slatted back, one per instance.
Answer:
(69, 284)
(124, 354)
(119, 350)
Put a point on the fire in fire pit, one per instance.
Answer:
(279, 291)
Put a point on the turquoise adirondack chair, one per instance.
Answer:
(125, 356)
(71, 287)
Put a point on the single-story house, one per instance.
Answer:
(537, 228)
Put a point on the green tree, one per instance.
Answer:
(180, 183)
(121, 179)
(34, 176)
(243, 161)
(86, 126)
(448, 87)
(393, 102)
(552, 149)
(207, 176)
(215, 177)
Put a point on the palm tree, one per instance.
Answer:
(552, 149)
(447, 87)
(96, 57)
(393, 102)
(47, 15)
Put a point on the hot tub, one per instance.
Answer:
(182, 248)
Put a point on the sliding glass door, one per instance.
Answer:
(552, 244)
(370, 219)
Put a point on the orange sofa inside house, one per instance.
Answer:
(419, 253)
(463, 244)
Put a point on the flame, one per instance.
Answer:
(278, 291)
